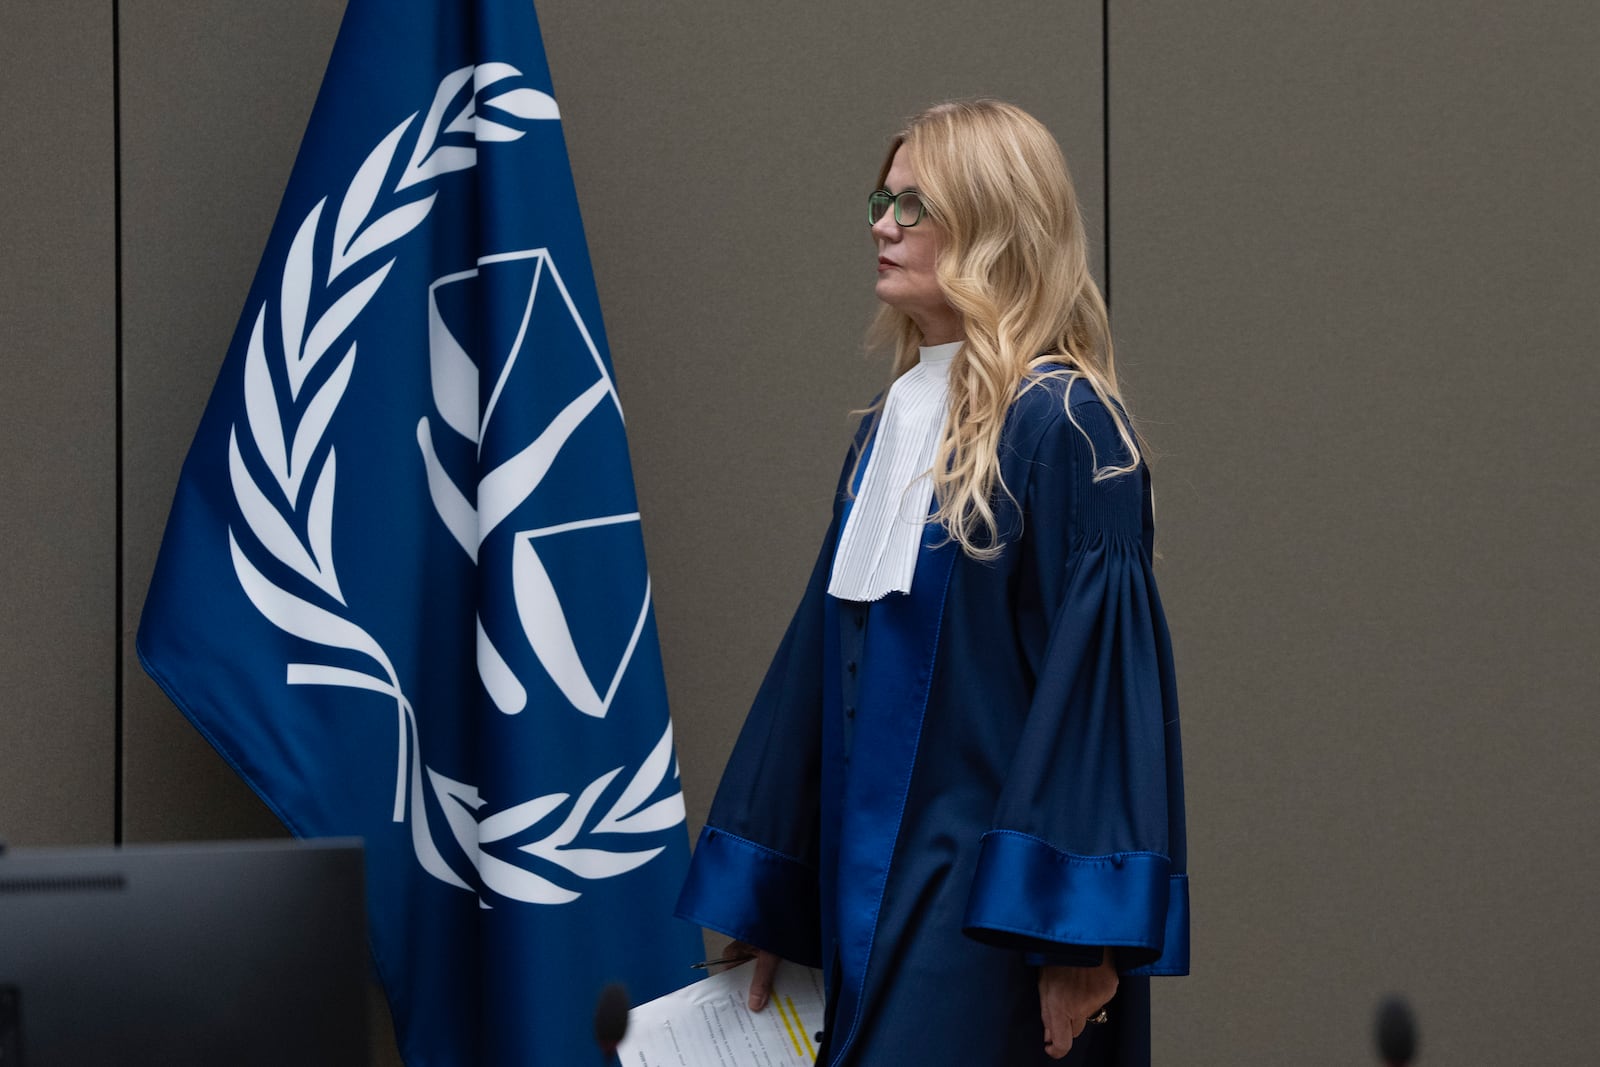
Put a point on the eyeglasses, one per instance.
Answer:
(908, 207)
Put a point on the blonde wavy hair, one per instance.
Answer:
(1013, 262)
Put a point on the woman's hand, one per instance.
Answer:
(1068, 996)
(761, 979)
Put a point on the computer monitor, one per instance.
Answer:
(237, 953)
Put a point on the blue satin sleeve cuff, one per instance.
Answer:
(756, 894)
(1031, 896)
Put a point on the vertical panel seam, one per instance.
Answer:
(119, 596)
(1105, 139)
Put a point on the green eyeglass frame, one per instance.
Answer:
(908, 207)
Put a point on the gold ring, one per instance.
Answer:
(1100, 1018)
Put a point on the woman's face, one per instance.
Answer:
(906, 279)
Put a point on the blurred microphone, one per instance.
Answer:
(1396, 1032)
(611, 1019)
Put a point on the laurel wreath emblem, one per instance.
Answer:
(284, 434)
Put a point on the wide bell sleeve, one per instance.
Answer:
(754, 872)
(1087, 844)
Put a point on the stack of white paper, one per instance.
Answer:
(708, 1025)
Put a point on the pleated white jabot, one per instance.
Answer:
(877, 551)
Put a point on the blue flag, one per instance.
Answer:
(402, 588)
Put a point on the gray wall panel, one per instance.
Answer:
(1354, 257)
(57, 425)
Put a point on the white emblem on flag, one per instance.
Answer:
(502, 491)
(297, 530)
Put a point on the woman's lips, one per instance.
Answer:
(884, 264)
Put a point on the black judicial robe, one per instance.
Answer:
(937, 792)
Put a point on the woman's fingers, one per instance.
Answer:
(761, 976)
(1069, 997)
(761, 983)
(1057, 1023)
(1057, 1049)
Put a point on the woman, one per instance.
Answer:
(959, 789)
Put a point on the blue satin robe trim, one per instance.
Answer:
(1174, 958)
(862, 827)
(1029, 895)
(753, 893)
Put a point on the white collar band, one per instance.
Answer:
(878, 547)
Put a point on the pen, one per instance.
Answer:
(728, 960)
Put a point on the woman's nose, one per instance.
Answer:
(886, 227)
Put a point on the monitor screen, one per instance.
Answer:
(231, 953)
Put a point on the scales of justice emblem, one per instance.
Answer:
(536, 850)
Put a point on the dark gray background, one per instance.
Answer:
(1352, 256)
